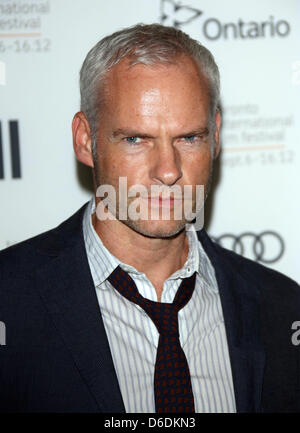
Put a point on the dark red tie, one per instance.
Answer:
(172, 380)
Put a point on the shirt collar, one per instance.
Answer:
(103, 262)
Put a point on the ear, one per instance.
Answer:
(82, 141)
(217, 134)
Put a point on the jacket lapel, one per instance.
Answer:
(240, 299)
(67, 289)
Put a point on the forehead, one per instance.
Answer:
(174, 92)
(181, 74)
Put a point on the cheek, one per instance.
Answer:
(198, 168)
(107, 169)
(113, 165)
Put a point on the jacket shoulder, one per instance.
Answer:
(253, 272)
(31, 253)
(280, 293)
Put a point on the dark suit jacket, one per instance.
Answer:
(57, 357)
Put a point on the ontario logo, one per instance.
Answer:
(174, 13)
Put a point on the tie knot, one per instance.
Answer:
(164, 315)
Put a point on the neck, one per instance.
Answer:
(157, 258)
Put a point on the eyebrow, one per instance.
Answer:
(200, 131)
(129, 133)
(135, 133)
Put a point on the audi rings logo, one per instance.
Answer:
(265, 247)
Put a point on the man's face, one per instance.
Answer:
(154, 129)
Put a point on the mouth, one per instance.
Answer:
(163, 201)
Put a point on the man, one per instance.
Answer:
(108, 313)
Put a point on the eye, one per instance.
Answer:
(132, 140)
(190, 138)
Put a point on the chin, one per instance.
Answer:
(156, 229)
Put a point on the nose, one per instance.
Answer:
(166, 164)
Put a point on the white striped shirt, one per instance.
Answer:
(133, 337)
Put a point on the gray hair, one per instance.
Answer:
(142, 43)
